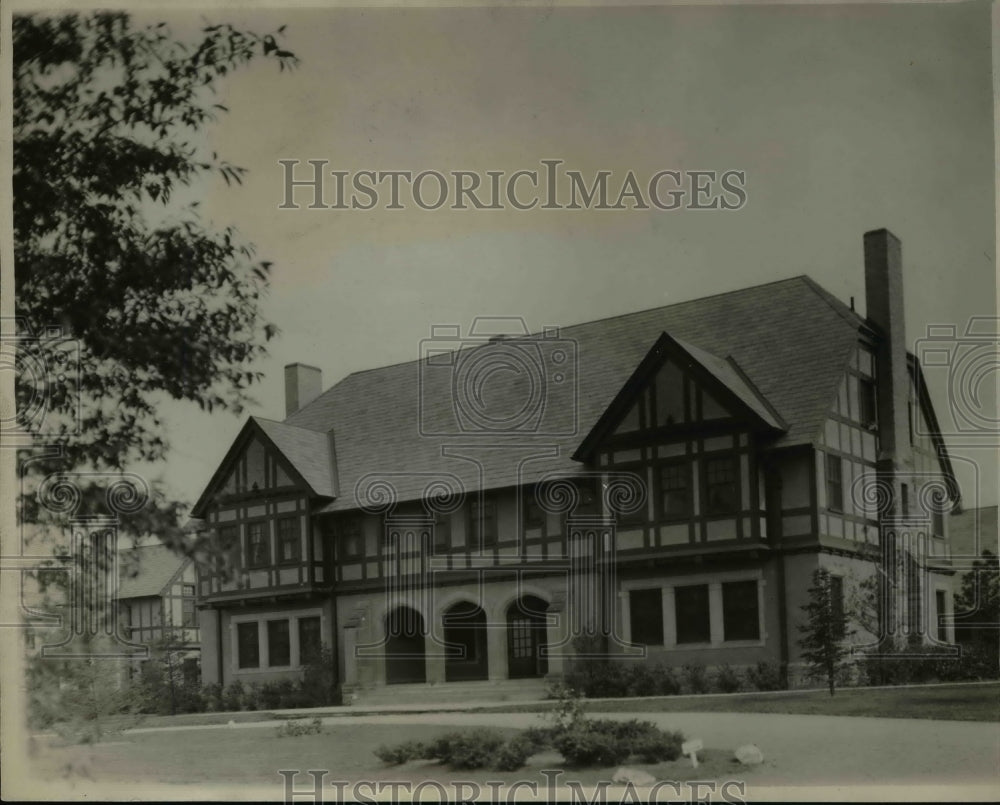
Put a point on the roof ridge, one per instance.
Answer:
(591, 321)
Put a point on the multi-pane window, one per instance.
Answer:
(279, 647)
(691, 607)
(589, 502)
(310, 639)
(189, 615)
(248, 645)
(740, 610)
(646, 616)
(720, 485)
(866, 403)
(289, 543)
(187, 589)
(350, 537)
(483, 521)
(834, 483)
(937, 521)
(257, 545)
(675, 490)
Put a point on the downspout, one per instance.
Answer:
(775, 533)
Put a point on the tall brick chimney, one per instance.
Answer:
(884, 302)
(303, 384)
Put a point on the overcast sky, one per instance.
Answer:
(844, 119)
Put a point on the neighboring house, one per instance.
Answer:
(769, 431)
(157, 602)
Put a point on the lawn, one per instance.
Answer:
(254, 756)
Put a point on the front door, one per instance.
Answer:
(525, 638)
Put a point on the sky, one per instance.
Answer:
(843, 119)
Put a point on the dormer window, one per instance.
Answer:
(289, 544)
(720, 485)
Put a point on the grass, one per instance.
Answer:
(253, 756)
(976, 702)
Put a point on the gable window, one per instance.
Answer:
(483, 521)
(248, 645)
(866, 403)
(351, 539)
(937, 521)
(834, 484)
(675, 490)
(720, 485)
(692, 612)
(310, 640)
(289, 544)
(740, 612)
(257, 545)
(589, 504)
(646, 616)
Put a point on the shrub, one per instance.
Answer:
(727, 680)
(538, 738)
(295, 728)
(212, 697)
(640, 680)
(666, 681)
(765, 676)
(401, 753)
(513, 754)
(252, 697)
(586, 745)
(475, 749)
(654, 748)
(233, 695)
(695, 678)
(319, 680)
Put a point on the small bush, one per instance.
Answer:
(654, 748)
(513, 754)
(695, 678)
(291, 729)
(666, 680)
(588, 745)
(727, 680)
(401, 753)
(475, 749)
(764, 676)
(213, 698)
(538, 738)
(232, 696)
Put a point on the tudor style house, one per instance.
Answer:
(667, 480)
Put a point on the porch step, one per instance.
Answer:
(487, 691)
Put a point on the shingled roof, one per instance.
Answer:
(147, 570)
(791, 339)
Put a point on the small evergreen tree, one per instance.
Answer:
(825, 632)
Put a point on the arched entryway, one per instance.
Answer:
(405, 660)
(525, 638)
(465, 636)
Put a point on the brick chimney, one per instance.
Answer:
(303, 384)
(884, 303)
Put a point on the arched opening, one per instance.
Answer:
(465, 636)
(525, 638)
(404, 655)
